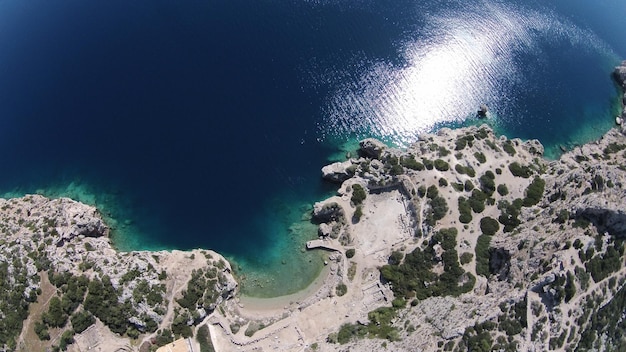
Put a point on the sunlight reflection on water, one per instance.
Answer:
(463, 58)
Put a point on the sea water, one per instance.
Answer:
(205, 123)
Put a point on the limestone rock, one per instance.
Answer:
(327, 210)
(338, 172)
(372, 148)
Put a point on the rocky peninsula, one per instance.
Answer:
(462, 241)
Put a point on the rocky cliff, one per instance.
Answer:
(57, 252)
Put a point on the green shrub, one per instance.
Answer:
(464, 141)
(421, 191)
(614, 148)
(562, 217)
(482, 255)
(477, 201)
(465, 211)
(502, 190)
(55, 316)
(480, 157)
(509, 214)
(350, 253)
(204, 339)
(410, 163)
(358, 194)
(465, 170)
(457, 186)
(509, 148)
(428, 164)
(466, 258)
(489, 226)
(432, 192)
(487, 184)
(534, 192)
(439, 208)
(341, 289)
(358, 213)
(42, 331)
(469, 186)
(520, 170)
(443, 182)
(82, 320)
(441, 165)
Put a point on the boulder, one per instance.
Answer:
(371, 148)
(338, 172)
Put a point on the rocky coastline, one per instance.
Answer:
(462, 241)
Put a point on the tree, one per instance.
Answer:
(55, 317)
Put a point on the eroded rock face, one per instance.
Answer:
(372, 148)
(338, 172)
(500, 263)
(327, 211)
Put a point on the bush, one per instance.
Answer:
(482, 255)
(502, 190)
(509, 214)
(443, 182)
(469, 186)
(67, 338)
(465, 170)
(441, 165)
(350, 253)
(42, 331)
(466, 258)
(480, 157)
(520, 170)
(432, 192)
(439, 208)
(81, 321)
(55, 316)
(341, 289)
(358, 194)
(396, 258)
(358, 213)
(477, 201)
(410, 163)
(509, 148)
(204, 339)
(534, 192)
(489, 226)
(465, 211)
(487, 184)
(421, 191)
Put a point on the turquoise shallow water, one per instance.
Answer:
(205, 123)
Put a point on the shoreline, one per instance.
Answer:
(250, 303)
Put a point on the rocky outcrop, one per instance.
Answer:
(371, 148)
(338, 172)
(327, 211)
(67, 239)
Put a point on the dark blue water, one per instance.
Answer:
(205, 123)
